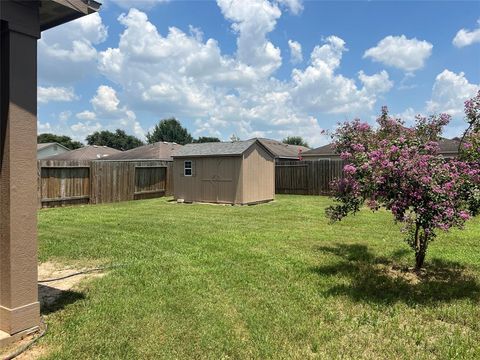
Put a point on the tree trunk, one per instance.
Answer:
(419, 259)
(421, 242)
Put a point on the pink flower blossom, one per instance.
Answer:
(349, 169)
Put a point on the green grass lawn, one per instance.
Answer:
(267, 281)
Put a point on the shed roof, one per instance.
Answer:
(236, 148)
(90, 152)
(161, 150)
(281, 150)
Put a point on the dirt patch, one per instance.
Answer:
(58, 287)
(403, 273)
(56, 280)
(412, 277)
(33, 352)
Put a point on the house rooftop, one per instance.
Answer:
(449, 146)
(44, 145)
(322, 150)
(161, 150)
(282, 150)
(90, 152)
(446, 146)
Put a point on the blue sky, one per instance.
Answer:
(268, 68)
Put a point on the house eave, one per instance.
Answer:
(56, 12)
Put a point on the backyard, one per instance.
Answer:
(274, 280)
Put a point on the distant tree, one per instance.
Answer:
(169, 130)
(119, 139)
(60, 139)
(234, 138)
(206, 139)
(295, 140)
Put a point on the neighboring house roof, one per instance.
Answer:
(90, 152)
(447, 146)
(161, 150)
(322, 150)
(281, 150)
(45, 145)
(236, 148)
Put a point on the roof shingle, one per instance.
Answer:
(282, 150)
(90, 152)
(161, 150)
(236, 148)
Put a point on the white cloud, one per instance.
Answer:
(51, 93)
(400, 52)
(295, 52)
(163, 72)
(139, 4)
(62, 125)
(318, 88)
(253, 20)
(295, 6)
(66, 53)
(206, 128)
(109, 114)
(64, 116)
(183, 74)
(108, 109)
(467, 37)
(85, 128)
(105, 100)
(86, 115)
(407, 115)
(376, 84)
(43, 127)
(405, 83)
(449, 93)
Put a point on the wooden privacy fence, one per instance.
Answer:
(95, 182)
(307, 177)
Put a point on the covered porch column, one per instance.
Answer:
(19, 307)
(21, 23)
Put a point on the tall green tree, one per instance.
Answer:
(206, 139)
(295, 140)
(169, 130)
(119, 139)
(60, 139)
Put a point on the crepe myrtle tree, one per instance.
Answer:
(469, 151)
(399, 169)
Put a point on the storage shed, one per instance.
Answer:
(241, 172)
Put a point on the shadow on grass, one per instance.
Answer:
(53, 299)
(379, 280)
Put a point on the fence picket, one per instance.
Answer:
(307, 177)
(93, 182)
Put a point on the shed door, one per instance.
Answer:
(217, 180)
